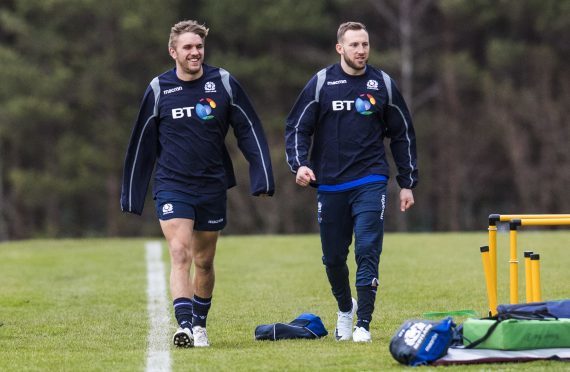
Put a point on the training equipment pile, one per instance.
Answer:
(518, 333)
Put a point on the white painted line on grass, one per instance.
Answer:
(158, 352)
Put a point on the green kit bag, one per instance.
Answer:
(516, 334)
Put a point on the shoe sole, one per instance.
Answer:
(182, 340)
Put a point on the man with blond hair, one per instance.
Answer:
(342, 117)
(184, 117)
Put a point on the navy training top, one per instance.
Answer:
(342, 120)
(181, 126)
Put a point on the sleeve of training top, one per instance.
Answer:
(402, 139)
(300, 126)
(141, 155)
(251, 141)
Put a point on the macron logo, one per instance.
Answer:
(168, 91)
(336, 82)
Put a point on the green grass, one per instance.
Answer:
(74, 305)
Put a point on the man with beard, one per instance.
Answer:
(343, 115)
(182, 123)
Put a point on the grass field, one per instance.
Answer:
(81, 305)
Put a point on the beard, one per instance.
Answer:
(353, 64)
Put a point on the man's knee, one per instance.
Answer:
(204, 250)
(204, 263)
(180, 252)
(334, 261)
(369, 244)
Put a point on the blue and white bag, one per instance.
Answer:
(306, 325)
(421, 342)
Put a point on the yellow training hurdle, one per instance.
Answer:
(532, 274)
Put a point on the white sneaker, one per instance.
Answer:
(343, 331)
(183, 338)
(200, 337)
(361, 335)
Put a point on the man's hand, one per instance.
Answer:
(406, 199)
(304, 176)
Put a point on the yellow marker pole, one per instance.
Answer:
(535, 267)
(544, 221)
(509, 217)
(519, 220)
(513, 263)
(493, 219)
(486, 259)
(493, 257)
(528, 276)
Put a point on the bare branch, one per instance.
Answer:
(420, 8)
(388, 14)
(425, 96)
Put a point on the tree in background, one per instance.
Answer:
(487, 83)
(70, 73)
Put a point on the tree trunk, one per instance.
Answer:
(3, 226)
(113, 195)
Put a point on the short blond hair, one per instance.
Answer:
(186, 26)
(349, 26)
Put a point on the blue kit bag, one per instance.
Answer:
(306, 325)
(535, 310)
(421, 342)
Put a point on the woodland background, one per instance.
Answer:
(487, 82)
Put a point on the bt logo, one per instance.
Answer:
(178, 113)
(340, 105)
(203, 109)
(363, 104)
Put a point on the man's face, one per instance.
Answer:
(354, 49)
(188, 53)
